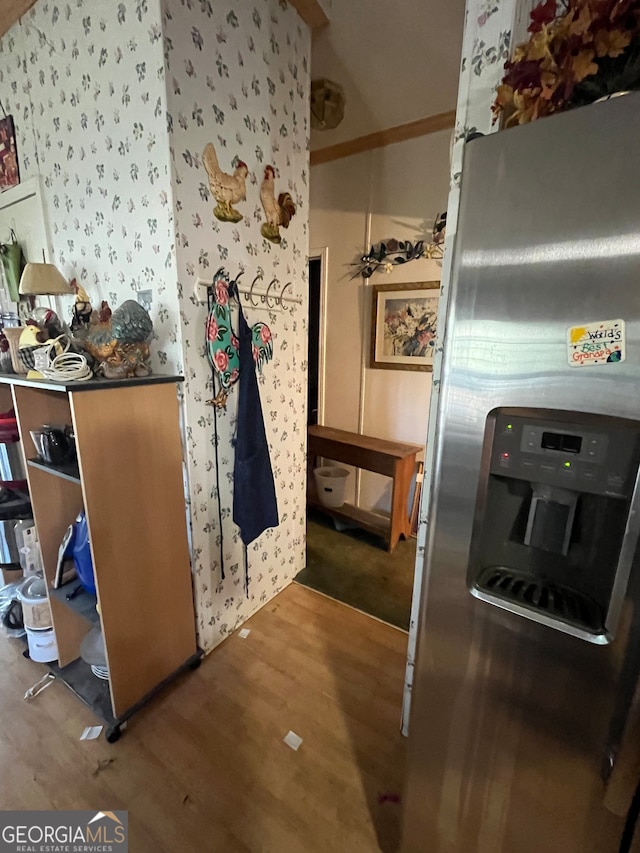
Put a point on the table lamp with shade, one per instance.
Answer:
(43, 280)
(36, 280)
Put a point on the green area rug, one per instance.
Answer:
(354, 567)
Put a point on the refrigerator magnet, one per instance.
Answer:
(596, 343)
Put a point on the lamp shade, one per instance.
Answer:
(43, 280)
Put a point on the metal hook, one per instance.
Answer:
(219, 272)
(234, 290)
(281, 297)
(253, 284)
(265, 298)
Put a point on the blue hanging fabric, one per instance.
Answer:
(255, 507)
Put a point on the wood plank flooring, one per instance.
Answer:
(204, 768)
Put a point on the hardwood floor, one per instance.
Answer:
(203, 769)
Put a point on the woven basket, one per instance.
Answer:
(12, 334)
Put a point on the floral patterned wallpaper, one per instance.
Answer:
(114, 103)
(237, 75)
(490, 28)
(85, 84)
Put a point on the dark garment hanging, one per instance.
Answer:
(255, 507)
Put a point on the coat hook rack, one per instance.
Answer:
(271, 298)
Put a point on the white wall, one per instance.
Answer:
(394, 191)
(396, 62)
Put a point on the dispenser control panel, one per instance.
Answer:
(586, 446)
(580, 457)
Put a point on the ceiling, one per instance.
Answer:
(396, 61)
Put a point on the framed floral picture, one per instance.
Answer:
(9, 172)
(403, 325)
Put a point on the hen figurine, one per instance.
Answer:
(120, 340)
(279, 211)
(227, 189)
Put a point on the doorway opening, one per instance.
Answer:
(348, 553)
(313, 361)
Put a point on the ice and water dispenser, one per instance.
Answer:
(553, 536)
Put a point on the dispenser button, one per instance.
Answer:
(504, 460)
(526, 462)
(594, 450)
(615, 480)
(589, 473)
(548, 467)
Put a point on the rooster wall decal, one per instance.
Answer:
(279, 211)
(227, 189)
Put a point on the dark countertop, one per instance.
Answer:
(89, 385)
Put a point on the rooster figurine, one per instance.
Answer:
(120, 340)
(278, 211)
(227, 189)
(82, 309)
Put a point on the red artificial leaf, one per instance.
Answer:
(544, 13)
(523, 75)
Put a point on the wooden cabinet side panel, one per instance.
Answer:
(6, 398)
(130, 458)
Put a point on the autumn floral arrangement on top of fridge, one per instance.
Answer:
(578, 52)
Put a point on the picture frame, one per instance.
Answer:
(9, 167)
(404, 321)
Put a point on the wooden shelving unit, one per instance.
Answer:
(128, 478)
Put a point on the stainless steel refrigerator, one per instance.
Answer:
(525, 719)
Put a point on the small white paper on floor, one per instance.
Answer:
(293, 740)
(244, 633)
(91, 733)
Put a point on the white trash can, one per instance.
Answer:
(331, 483)
(42, 645)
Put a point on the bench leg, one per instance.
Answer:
(400, 521)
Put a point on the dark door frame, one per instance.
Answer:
(322, 254)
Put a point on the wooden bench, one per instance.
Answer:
(390, 458)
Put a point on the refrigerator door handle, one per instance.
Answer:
(622, 771)
(622, 767)
(625, 562)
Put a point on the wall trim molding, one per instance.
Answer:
(11, 12)
(311, 13)
(399, 133)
